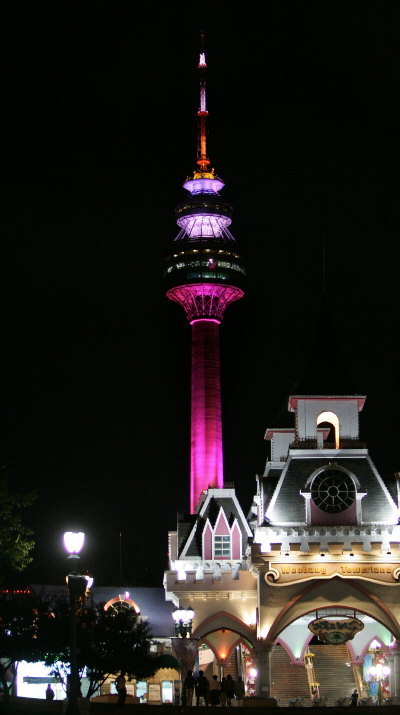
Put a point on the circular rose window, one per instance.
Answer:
(333, 491)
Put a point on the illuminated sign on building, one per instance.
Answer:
(336, 631)
(282, 574)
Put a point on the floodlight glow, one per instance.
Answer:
(73, 541)
(253, 673)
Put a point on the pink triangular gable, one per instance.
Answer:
(236, 541)
(222, 527)
(207, 541)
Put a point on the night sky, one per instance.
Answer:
(99, 133)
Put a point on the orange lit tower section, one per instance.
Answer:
(204, 275)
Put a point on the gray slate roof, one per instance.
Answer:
(290, 505)
(211, 512)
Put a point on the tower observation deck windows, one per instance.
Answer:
(206, 265)
(195, 228)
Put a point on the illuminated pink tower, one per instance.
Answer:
(204, 275)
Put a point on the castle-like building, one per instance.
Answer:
(300, 596)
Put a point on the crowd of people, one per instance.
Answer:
(211, 692)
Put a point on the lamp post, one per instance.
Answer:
(183, 645)
(77, 586)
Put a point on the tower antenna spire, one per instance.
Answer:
(203, 161)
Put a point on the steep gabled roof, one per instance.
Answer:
(191, 544)
(286, 506)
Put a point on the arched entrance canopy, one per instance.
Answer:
(222, 632)
(332, 593)
(223, 620)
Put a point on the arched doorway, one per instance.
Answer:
(225, 646)
(314, 654)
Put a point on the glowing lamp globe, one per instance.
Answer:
(73, 542)
(183, 614)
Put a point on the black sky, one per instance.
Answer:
(98, 136)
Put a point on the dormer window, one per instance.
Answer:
(222, 547)
(333, 496)
(222, 541)
(333, 491)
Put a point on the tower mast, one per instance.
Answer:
(204, 274)
(202, 160)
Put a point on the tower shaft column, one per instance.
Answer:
(206, 466)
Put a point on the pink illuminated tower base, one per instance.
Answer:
(206, 453)
(206, 468)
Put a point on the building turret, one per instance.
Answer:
(204, 274)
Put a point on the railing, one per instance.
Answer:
(311, 443)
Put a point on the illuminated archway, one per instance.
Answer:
(333, 420)
(224, 620)
(122, 603)
(317, 595)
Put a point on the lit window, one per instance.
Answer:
(222, 547)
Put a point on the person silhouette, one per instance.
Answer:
(49, 693)
(354, 699)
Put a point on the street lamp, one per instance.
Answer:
(184, 646)
(183, 619)
(77, 586)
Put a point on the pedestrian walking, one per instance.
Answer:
(240, 690)
(354, 699)
(188, 687)
(230, 689)
(222, 695)
(49, 693)
(215, 689)
(201, 688)
(120, 684)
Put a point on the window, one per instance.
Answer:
(167, 691)
(333, 491)
(222, 547)
(141, 690)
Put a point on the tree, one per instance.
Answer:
(18, 632)
(107, 643)
(119, 642)
(16, 543)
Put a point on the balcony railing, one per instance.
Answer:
(310, 443)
